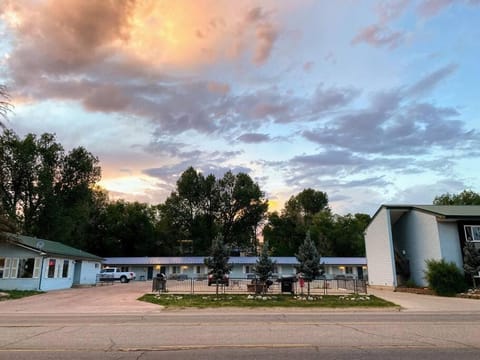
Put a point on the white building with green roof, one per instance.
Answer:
(400, 238)
(28, 263)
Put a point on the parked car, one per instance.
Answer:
(113, 273)
(224, 281)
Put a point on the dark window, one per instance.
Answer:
(25, 268)
(472, 233)
(2, 266)
(65, 268)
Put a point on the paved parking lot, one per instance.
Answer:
(122, 299)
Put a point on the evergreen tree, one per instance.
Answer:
(217, 262)
(309, 261)
(471, 259)
(264, 267)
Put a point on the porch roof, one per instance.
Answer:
(240, 260)
(49, 247)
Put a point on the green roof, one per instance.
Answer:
(52, 247)
(446, 211)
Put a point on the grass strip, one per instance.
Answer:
(237, 300)
(17, 294)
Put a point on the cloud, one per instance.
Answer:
(379, 36)
(253, 138)
(428, 82)
(332, 98)
(266, 34)
(429, 8)
(170, 174)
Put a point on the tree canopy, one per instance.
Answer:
(333, 235)
(466, 197)
(204, 207)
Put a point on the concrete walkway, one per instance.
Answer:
(427, 303)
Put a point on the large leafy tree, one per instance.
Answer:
(334, 235)
(47, 193)
(466, 197)
(283, 233)
(242, 208)
(203, 207)
(127, 229)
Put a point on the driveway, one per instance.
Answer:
(122, 299)
(111, 298)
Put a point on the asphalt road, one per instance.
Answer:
(109, 323)
(257, 334)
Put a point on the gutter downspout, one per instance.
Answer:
(41, 271)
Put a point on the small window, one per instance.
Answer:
(198, 269)
(248, 269)
(472, 233)
(348, 270)
(2, 266)
(25, 268)
(124, 268)
(175, 269)
(65, 268)
(51, 268)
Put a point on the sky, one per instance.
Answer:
(372, 102)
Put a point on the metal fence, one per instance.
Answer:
(246, 286)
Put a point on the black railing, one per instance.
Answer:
(246, 286)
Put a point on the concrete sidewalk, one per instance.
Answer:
(427, 303)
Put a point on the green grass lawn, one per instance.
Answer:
(236, 300)
(18, 294)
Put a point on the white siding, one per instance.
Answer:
(379, 250)
(88, 272)
(450, 243)
(421, 241)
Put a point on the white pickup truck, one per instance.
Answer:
(112, 274)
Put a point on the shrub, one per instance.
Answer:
(445, 278)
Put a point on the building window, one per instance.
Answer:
(124, 269)
(65, 268)
(2, 267)
(472, 233)
(198, 269)
(248, 269)
(51, 268)
(348, 270)
(25, 268)
(175, 269)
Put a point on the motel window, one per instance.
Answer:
(248, 269)
(2, 267)
(348, 270)
(472, 233)
(65, 268)
(175, 269)
(25, 268)
(124, 269)
(51, 268)
(198, 269)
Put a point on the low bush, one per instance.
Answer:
(445, 278)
